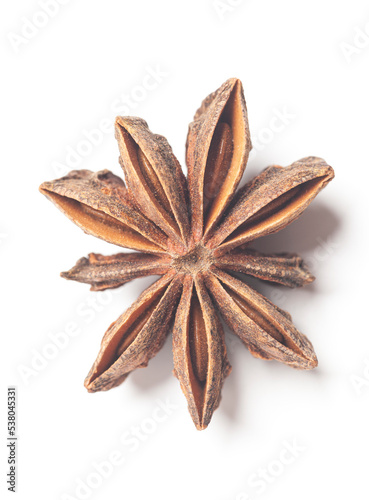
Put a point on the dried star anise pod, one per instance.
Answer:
(195, 233)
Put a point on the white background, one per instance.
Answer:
(306, 60)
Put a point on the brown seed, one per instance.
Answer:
(198, 340)
(218, 162)
(153, 181)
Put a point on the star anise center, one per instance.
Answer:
(197, 259)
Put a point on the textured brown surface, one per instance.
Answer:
(197, 338)
(112, 271)
(195, 233)
(284, 268)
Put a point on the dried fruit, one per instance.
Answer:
(195, 233)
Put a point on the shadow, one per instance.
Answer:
(234, 388)
(317, 223)
(319, 374)
(157, 371)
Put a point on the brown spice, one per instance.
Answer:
(195, 233)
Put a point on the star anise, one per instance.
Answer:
(195, 233)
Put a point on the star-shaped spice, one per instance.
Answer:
(194, 232)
